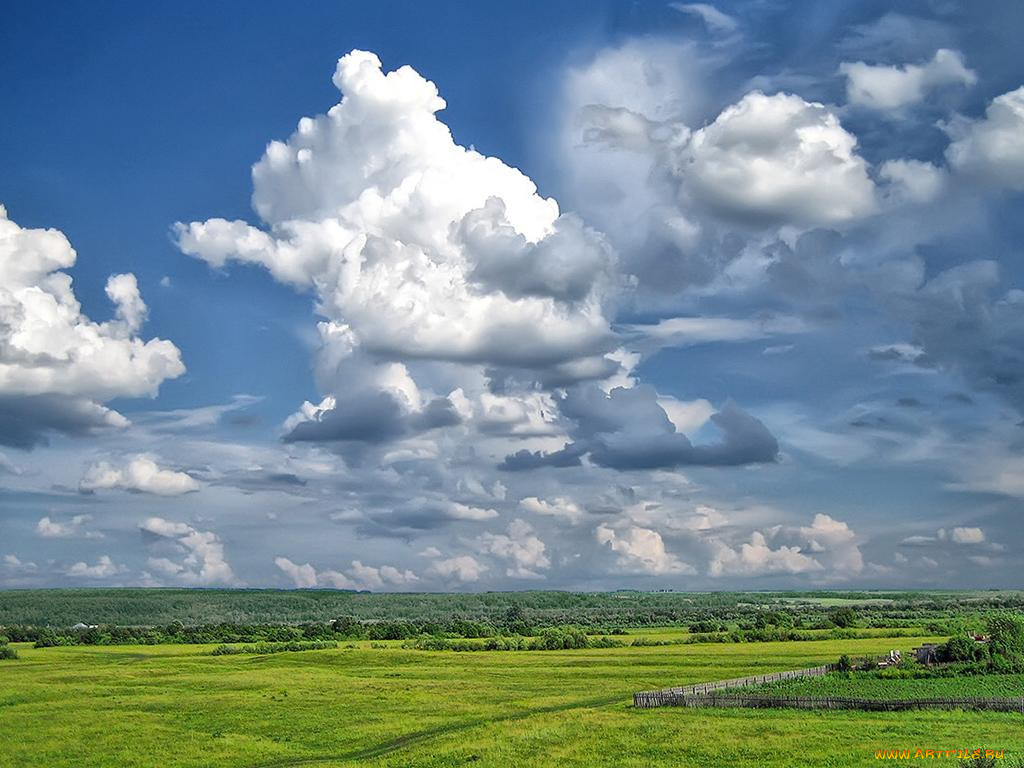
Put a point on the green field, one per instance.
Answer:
(860, 685)
(175, 705)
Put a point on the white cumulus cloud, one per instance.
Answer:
(779, 160)
(524, 551)
(421, 252)
(104, 568)
(58, 367)
(73, 528)
(139, 474)
(199, 557)
(463, 568)
(641, 550)
(559, 507)
(887, 88)
(992, 148)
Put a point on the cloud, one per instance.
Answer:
(463, 568)
(641, 550)
(778, 159)
(72, 529)
(834, 545)
(957, 535)
(303, 576)
(14, 564)
(358, 576)
(756, 558)
(104, 568)
(57, 366)
(964, 323)
(687, 331)
(913, 181)
(560, 507)
(967, 535)
(711, 16)
(422, 254)
(520, 547)
(459, 511)
(890, 88)
(139, 474)
(991, 149)
(199, 555)
(627, 429)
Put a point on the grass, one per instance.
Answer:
(860, 685)
(178, 707)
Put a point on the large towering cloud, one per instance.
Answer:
(421, 252)
(58, 367)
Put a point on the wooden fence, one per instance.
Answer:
(830, 702)
(670, 696)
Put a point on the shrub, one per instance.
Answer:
(844, 664)
(6, 652)
(962, 648)
(1006, 635)
(844, 617)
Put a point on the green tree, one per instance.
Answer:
(845, 617)
(1006, 635)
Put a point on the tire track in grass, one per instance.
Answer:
(418, 737)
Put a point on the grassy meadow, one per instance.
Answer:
(177, 706)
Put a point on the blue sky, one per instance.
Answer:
(660, 296)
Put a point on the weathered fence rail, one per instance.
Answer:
(830, 702)
(668, 697)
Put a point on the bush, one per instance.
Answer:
(6, 652)
(844, 617)
(1006, 635)
(962, 648)
(844, 664)
(265, 648)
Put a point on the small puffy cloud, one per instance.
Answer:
(834, 544)
(463, 568)
(523, 550)
(104, 568)
(757, 558)
(967, 535)
(431, 552)
(560, 507)
(991, 149)
(889, 88)
(139, 474)
(641, 550)
(72, 529)
(303, 576)
(705, 518)
(459, 511)
(198, 555)
(957, 535)
(777, 160)
(14, 564)
(358, 576)
(912, 181)
(58, 367)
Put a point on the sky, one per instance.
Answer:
(574, 295)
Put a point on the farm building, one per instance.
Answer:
(927, 653)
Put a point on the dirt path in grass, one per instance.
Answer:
(418, 737)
